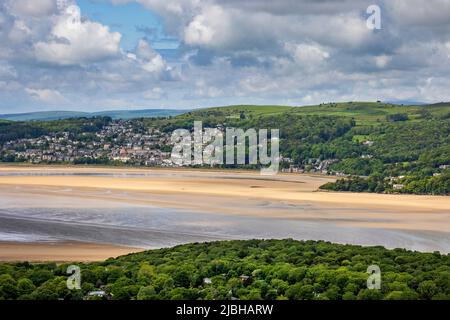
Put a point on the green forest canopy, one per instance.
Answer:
(251, 269)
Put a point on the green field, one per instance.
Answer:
(365, 113)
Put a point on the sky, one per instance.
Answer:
(91, 55)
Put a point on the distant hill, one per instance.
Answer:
(115, 114)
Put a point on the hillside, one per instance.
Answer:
(365, 113)
(252, 269)
(377, 147)
(401, 148)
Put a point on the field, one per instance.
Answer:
(365, 113)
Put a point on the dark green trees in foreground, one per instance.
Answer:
(254, 269)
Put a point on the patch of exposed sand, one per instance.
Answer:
(60, 251)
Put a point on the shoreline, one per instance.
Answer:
(6, 166)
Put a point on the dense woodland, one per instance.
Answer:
(11, 130)
(374, 142)
(252, 269)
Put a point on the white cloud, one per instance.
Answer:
(209, 28)
(46, 95)
(77, 42)
(307, 55)
(154, 93)
(155, 65)
(258, 83)
(151, 61)
(19, 32)
(206, 90)
(382, 61)
(31, 8)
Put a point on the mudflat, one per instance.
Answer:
(233, 194)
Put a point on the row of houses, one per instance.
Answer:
(122, 141)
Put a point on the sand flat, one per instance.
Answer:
(224, 200)
(216, 183)
(60, 251)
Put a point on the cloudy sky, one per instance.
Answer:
(117, 54)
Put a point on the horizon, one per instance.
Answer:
(131, 109)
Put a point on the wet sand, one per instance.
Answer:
(228, 186)
(226, 204)
(60, 251)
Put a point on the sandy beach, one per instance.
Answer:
(284, 197)
(288, 187)
(60, 251)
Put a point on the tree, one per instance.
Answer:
(25, 286)
(369, 294)
(427, 289)
(147, 293)
(300, 291)
(8, 287)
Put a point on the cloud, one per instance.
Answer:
(152, 62)
(209, 28)
(418, 13)
(154, 94)
(307, 54)
(382, 61)
(46, 95)
(7, 71)
(30, 8)
(230, 51)
(76, 42)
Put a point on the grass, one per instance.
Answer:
(364, 113)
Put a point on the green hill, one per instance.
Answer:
(253, 269)
(365, 113)
(400, 148)
(380, 140)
